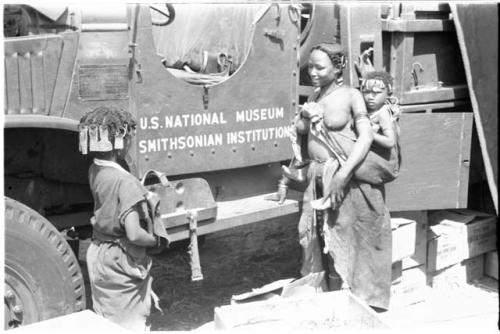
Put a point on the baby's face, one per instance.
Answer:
(375, 93)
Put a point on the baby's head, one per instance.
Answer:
(376, 88)
(106, 129)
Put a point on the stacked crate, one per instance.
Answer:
(461, 248)
(409, 274)
(420, 50)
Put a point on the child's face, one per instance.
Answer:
(127, 141)
(375, 93)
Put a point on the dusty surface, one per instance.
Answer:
(233, 261)
(236, 260)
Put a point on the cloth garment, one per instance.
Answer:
(121, 285)
(119, 271)
(356, 235)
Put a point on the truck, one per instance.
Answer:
(214, 89)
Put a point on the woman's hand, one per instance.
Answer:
(336, 188)
(311, 109)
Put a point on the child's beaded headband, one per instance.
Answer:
(104, 130)
(375, 85)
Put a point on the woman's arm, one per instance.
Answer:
(365, 135)
(388, 138)
(336, 187)
(135, 233)
(302, 125)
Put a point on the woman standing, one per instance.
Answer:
(118, 265)
(355, 231)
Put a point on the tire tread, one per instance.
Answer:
(38, 223)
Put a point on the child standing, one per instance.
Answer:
(118, 265)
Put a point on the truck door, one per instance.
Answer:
(218, 87)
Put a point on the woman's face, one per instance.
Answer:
(321, 69)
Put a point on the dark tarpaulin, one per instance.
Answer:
(477, 32)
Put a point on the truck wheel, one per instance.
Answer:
(42, 276)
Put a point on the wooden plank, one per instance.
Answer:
(241, 212)
(336, 310)
(457, 105)
(360, 27)
(400, 61)
(431, 6)
(434, 171)
(414, 96)
(478, 41)
(465, 156)
(425, 25)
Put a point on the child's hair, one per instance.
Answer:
(383, 76)
(117, 122)
(335, 52)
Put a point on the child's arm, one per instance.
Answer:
(388, 138)
(135, 233)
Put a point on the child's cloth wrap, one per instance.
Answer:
(119, 271)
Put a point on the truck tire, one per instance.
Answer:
(43, 279)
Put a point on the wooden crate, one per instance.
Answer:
(324, 311)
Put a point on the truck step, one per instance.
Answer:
(241, 212)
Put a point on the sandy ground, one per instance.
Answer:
(233, 261)
(236, 260)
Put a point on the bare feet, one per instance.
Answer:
(278, 196)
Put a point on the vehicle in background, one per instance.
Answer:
(214, 105)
